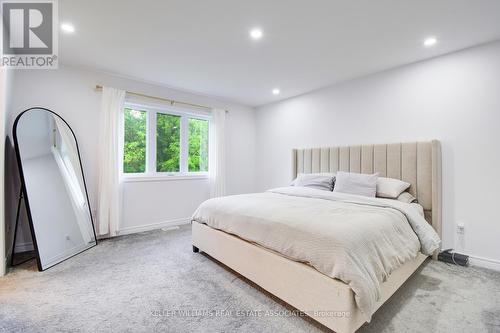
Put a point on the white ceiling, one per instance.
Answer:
(204, 47)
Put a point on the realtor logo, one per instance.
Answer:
(29, 34)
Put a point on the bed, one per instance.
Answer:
(291, 265)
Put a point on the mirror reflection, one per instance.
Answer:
(55, 192)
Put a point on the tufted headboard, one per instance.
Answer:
(418, 163)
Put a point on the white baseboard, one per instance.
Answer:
(153, 226)
(485, 262)
(3, 267)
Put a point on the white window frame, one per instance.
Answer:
(151, 174)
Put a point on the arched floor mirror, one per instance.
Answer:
(53, 187)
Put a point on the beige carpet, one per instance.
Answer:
(152, 282)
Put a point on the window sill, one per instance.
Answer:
(162, 178)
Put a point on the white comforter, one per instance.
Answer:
(358, 240)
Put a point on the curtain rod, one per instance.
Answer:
(168, 100)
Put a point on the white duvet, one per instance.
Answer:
(358, 240)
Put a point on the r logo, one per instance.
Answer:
(27, 28)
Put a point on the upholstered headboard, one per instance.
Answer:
(418, 163)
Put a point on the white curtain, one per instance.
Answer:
(110, 161)
(217, 154)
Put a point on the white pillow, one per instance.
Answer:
(320, 181)
(356, 183)
(407, 198)
(391, 188)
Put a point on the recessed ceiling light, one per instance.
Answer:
(67, 27)
(430, 41)
(276, 91)
(256, 33)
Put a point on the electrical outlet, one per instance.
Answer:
(460, 236)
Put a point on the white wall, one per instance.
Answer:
(3, 101)
(70, 92)
(453, 98)
(6, 78)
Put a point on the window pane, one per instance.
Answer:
(168, 142)
(198, 145)
(134, 155)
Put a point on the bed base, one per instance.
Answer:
(326, 300)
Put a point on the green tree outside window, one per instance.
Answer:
(198, 145)
(168, 142)
(134, 157)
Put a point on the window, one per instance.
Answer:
(168, 143)
(164, 142)
(134, 155)
(198, 145)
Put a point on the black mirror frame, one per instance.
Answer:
(25, 192)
